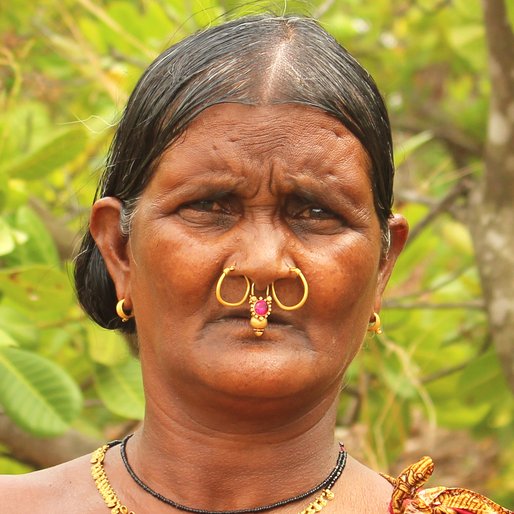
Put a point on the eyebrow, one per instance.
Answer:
(329, 190)
(331, 195)
(215, 187)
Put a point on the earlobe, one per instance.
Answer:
(105, 229)
(398, 231)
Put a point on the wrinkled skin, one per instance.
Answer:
(261, 188)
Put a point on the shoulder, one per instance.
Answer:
(362, 490)
(67, 487)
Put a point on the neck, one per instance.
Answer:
(229, 464)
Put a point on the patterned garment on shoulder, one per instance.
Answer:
(409, 498)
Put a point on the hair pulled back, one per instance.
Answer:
(256, 60)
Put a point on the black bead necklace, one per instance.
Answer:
(326, 484)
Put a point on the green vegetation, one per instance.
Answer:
(66, 69)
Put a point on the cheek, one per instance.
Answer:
(171, 274)
(343, 291)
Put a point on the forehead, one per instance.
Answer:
(280, 145)
(283, 128)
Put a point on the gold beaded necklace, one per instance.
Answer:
(112, 501)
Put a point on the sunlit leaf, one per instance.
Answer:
(106, 347)
(406, 148)
(457, 415)
(13, 467)
(60, 150)
(121, 388)
(38, 289)
(7, 239)
(6, 339)
(17, 326)
(38, 246)
(482, 379)
(457, 236)
(38, 395)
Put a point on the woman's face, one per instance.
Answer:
(261, 188)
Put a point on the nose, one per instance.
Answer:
(264, 255)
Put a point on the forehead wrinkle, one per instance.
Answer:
(265, 138)
(261, 145)
(319, 169)
(199, 184)
(325, 176)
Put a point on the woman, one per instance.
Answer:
(243, 234)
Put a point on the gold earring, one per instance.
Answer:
(220, 299)
(375, 324)
(260, 309)
(305, 292)
(121, 313)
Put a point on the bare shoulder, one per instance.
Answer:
(365, 491)
(67, 487)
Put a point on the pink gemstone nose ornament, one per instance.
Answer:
(260, 309)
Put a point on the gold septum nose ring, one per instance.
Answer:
(260, 305)
(260, 309)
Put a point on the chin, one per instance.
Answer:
(273, 366)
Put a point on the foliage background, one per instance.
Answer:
(432, 383)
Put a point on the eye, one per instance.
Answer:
(308, 209)
(309, 216)
(316, 213)
(221, 202)
(204, 206)
(214, 212)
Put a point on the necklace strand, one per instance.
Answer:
(102, 481)
(112, 501)
(326, 484)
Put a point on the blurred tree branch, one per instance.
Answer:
(491, 206)
(444, 205)
(447, 132)
(42, 453)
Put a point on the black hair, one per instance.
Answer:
(255, 60)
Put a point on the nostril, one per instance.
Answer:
(260, 290)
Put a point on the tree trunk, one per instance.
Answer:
(492, 202)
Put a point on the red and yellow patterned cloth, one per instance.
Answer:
(409, 498)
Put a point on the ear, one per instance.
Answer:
(398, 230)
(104, 226)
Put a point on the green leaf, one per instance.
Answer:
(401, 385)
(106, 347)
(60, 150)
(7, 241)
(482, 380)
(456, 415)
(38, 395)
(457, 236)
(43, 291)
(206, 12)
(3, 193)
(39, 247)
(6, 339)
(121, 388)
(13, 467)
(406, 148)
(17, 327)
